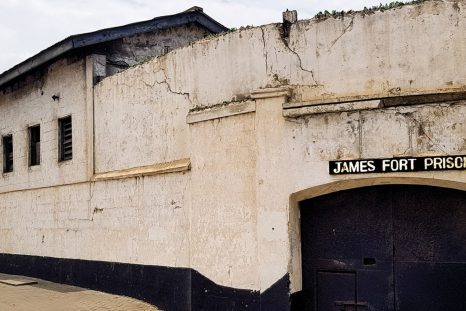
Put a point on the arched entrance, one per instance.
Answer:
(391, 247)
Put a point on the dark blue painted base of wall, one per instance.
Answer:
(170, 289)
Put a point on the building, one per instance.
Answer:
(121, 47)
(306, 165)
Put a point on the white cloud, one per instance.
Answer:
(29, 26)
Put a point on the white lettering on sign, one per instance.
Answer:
(398, 165)
(445, 163)
(363, 166)
(392, 165)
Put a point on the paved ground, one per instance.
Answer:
(47, 296)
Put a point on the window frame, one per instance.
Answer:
(6, 168)
(32, 148)
(62, 156)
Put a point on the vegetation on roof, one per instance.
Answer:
(381, 7)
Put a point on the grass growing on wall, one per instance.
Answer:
(381, 7)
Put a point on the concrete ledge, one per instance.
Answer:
(221, 111)
(329, 101)
(399, 100)
(423, 99)
(328, 108)
(271, 92)
(159, 168)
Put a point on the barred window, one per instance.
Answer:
(65, 139)
(7, 142)
(34, 145)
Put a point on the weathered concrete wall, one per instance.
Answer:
(139, 122)
(351, 58)
(223, 214)
(133, 50)
(33, 105)
(362, 63)
(360, 56)
(234, 216)
(381, 54)
(436, 129)
(138, 220)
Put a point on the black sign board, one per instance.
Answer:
(391, 165)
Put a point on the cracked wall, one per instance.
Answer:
(390, 132)
(359, 55)
(143, 111)
(140, 121)
(230, 216)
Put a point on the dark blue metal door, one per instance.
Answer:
(385, 248)
(430, 249)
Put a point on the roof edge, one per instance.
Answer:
(109, 34)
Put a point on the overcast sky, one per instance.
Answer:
(29, 26)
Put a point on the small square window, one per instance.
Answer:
(65, 139)
(34, 145)
(7, 142)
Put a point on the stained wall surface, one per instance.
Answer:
(32, 105)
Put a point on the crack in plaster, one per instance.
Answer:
(169, 88)
(89, 202)
(285, 43)
(300, 64)
(347, 28)
(265, 51)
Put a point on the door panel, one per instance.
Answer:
(335, 286)
(405, 245)
(430, 249)
(349, 232)
(430, 286)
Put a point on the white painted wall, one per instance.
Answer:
(223, 204)
(33, 104)
(138, 120)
